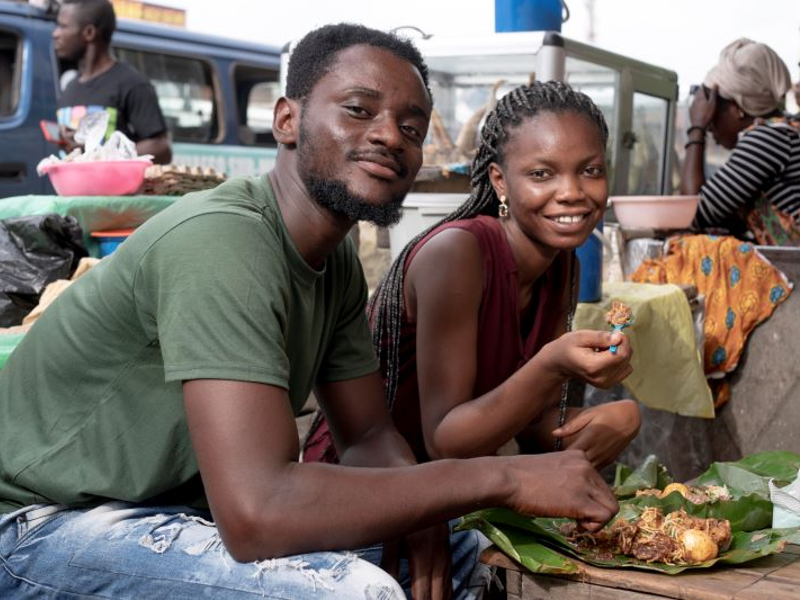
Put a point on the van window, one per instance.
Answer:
(9, 72)
(185, 92)
(257, 90)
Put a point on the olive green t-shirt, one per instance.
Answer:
(210, 288)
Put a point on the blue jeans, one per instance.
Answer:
(121, 550)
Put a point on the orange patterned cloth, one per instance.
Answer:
(741, 287)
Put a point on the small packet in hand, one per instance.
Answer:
(619, 317)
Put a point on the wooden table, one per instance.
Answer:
(775, 577)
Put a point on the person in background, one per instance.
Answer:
(83, 34)
(740, 103)
(148, 445)
(472, 319)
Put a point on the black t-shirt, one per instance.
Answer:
(121, 91)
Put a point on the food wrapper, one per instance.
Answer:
(786, 504)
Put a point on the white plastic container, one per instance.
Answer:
(420, 211)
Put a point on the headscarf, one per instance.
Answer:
(752, 75)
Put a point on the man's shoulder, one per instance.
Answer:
(124, 72)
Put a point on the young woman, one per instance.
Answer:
(472, 321)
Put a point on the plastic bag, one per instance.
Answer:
(34, 251)
(786, 501)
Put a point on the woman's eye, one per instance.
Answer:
(595, 171)
(538, 174)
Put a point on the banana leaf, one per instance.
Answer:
(650, 474)
(751, 474)
(531, 539)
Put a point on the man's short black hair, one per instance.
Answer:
(99, 13)
(317, 52)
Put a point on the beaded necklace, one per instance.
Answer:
(562, 406)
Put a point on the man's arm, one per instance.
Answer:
(158, 146)
(266, 504)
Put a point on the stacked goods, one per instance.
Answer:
(177, 180)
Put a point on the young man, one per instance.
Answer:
(83, 34)
(186, 354)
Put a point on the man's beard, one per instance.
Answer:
(334, 194)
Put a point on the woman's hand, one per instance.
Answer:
(429, 562)
(603, 431)
(702, 108)
(584, 355)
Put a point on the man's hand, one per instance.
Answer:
(68, 139)
(603, 431)
(561, 484)
(429, 562)
(582, 355)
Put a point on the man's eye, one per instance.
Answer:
(356, 110)
(412, 131)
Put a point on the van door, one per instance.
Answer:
(27, 95)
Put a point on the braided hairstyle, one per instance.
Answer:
(386, 308)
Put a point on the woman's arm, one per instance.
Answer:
(701, 113)
(443, 291)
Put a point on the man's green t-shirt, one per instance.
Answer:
(211, 288)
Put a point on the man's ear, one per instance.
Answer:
(89, 33)
(497, 179)
(286, 121)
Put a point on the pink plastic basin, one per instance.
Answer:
(98, 178)
(655, 212)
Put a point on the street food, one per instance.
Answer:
(696, 494)
(619, 317)
(676, 538)
(620, 314)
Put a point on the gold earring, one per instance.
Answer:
(502, 210)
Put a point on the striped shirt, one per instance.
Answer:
(765, 161)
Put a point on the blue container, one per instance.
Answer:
(107, 241)
(527, 15)
(590, 257)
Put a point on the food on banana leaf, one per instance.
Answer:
(675, 539)
(696, 494)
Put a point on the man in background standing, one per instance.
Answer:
(83, 34)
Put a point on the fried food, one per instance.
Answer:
(696, 494)
(620, 314)
(676, 538)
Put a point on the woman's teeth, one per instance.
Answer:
(566, 219)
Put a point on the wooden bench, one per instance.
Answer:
(775, 577)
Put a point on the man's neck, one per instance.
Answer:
(94, 63)
(314, 229)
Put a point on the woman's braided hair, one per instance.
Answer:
(386, 308)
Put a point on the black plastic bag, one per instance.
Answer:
(35, 251)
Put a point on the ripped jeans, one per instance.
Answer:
(122, 550)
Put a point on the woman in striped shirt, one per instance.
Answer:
(740, 103)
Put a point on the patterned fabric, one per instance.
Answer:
(741, 287)
(770, 226)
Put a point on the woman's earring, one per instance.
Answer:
(502, 210)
